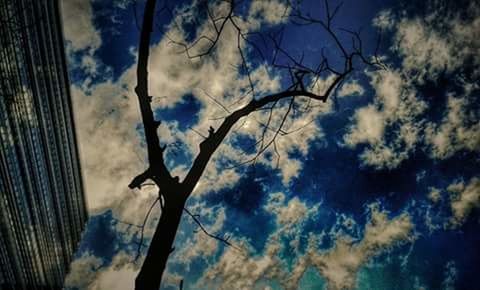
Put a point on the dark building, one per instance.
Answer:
(42, 204)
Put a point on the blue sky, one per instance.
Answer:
(379, 190)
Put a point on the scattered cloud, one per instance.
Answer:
(451, 274)
(458, 130)
(428, 51)
(88, 272)
(434, 195)
(83, 39)
(270, 11)
(119, 275)
(369, 127)
(199, 244)
(351, 88)
(464, 199)
(394, 124)
(395, 108)
(79, 30)
(83, 271)
(290, 215)
(109, 146)
(240, 269)
(384, 20)
(338, 265)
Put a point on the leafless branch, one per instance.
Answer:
(142, 229)
(216, 101)
(218, 238)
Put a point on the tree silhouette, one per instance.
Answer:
(173, 192)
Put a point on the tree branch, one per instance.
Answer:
(140, 179)
(157, 171)
(211, 143)
(223, 240)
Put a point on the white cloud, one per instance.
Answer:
(338, 265)
(83, 271)
(396, 111)
(369, 126)
(423, 50)
(201, 245)
(88, 274)
(108, 143)
(81, 36)
(240, 269)
(427, 51)
(394, 104)
(289, 214)
(434, 195)
(464, 199)
(270, 11)
(394, 124)
(78, 26)
(351, 88)
(384, 20)
(459, 130)
(120, 275)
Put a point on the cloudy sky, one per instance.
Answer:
(378, 188)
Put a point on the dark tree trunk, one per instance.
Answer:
(161, 246)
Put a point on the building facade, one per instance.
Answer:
(42, 205)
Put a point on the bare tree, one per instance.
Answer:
(173, 192)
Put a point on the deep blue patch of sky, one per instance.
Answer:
(244, 206)
(100, 237)
(119, 34)
(185, 113)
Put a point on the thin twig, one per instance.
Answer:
(223, 240)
